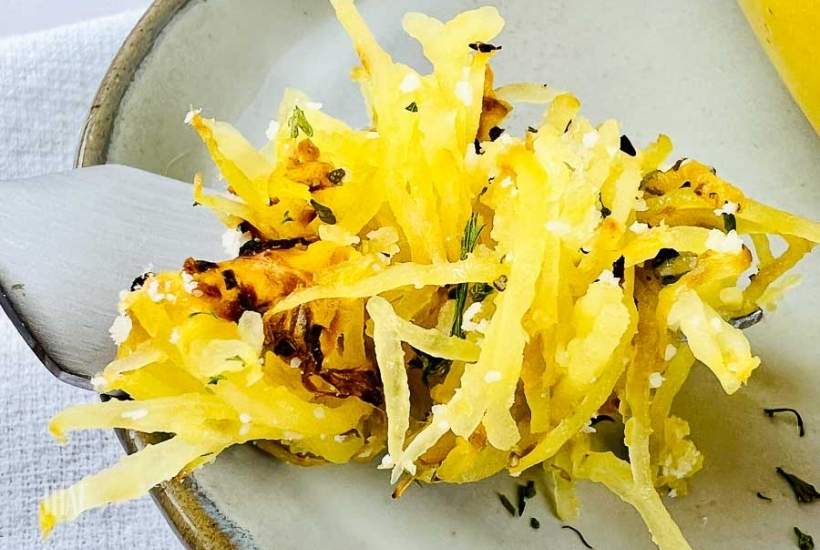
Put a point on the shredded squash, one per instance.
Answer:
(432, 286)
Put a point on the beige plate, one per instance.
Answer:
(689, 69)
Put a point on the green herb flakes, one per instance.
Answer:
(804, 492)
(804, 540)
(325, 214)
(298, 121)
(505, 502)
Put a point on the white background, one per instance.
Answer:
(24, 16)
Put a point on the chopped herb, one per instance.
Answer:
(195, 204)
(235, 358)
(605, 212)
(429, 366)
(336, 176)
(627, 147)
(529, 489)
(468, 242)
(686, 184)
(500, 284)
(761, 496)
(479, 291)
(495, 132)
(21, 286)
(678, 163)
(579, 533)
(600, 418)
(801, 429)
(298, 121)
(135, 284)
(255, 246)
(325, 214)
(532, 130)
(748, 320)
(618, 268)
(203, 455)
(524, 493)
(286, 217)
(194, 314)
(566, 128)
(583, 250)
(477, 146)
(804, 540)
(213, 380)
(804, 492)
(729, 222)
(483, 47)
(505, 502)
(570, 167)
(413, 107)
(230, 279)
(534, 523)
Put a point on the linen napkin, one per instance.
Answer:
(47, 83)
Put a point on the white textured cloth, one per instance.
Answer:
(47, 83)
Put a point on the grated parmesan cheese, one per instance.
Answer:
(727, 243)
(135, 414)
(410, 83)
(121, 328)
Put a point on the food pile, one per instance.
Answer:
(442, 296)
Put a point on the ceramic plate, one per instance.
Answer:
(689, 69)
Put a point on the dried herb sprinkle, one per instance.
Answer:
(801, 429)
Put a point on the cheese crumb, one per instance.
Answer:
(728, 207)
(291, 436)
(174, 336)
(232, 241)
(638, 228)
(120, 328)
(188, 282)
(590, 139)
(410, 83)
(673, 493)
(295, 363)
(386, 463)
(506, 182)
(727, 243)
(245, 418)
(464, 92)
(313, 105)
(135, 414)
(589, 428)
(97, 382)
(339, 438)
(336, 234)
(656, 380)
(189, 117)
(670, 352)
(153, 291)
(558, 227)
(640, 205)
(319, 412)
(272, 130)
(492, 376)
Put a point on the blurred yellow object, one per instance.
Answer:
(788, 31)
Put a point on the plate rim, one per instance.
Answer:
(179, 502)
